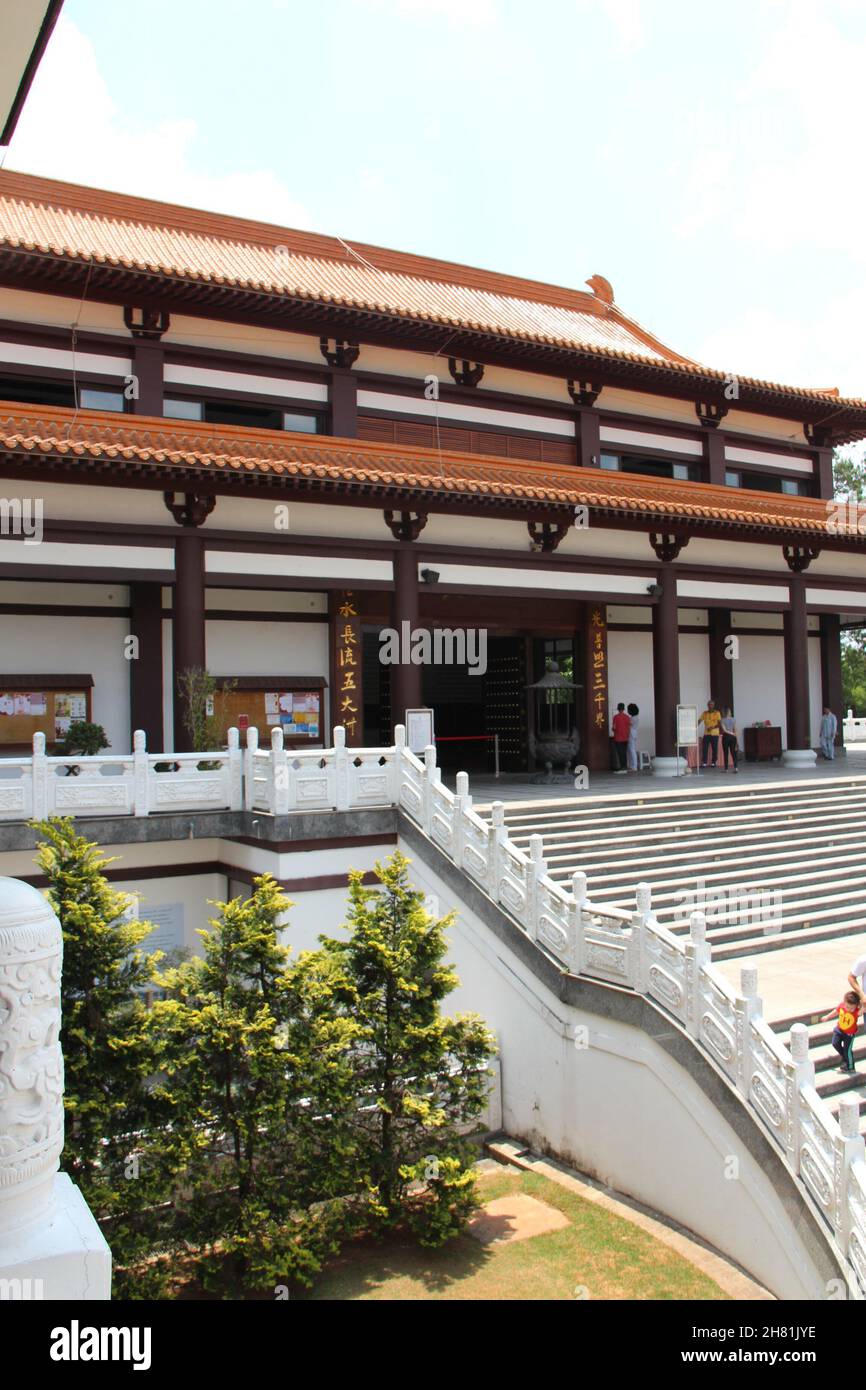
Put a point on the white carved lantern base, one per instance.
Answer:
(668, 767)
(47, 1233)
(799, 757)
(63, 1256)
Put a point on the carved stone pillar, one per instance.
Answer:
(31, 1065)
(50, 1245)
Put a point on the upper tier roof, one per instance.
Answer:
(97, 229)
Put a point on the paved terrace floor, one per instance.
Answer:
(515, 787)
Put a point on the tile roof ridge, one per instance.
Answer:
(107, 203)
(118, 432)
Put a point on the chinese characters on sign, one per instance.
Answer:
(347, 687)
(596, 680)
(598, 654)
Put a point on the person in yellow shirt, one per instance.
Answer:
(711, 720)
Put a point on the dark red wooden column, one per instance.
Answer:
(188, 626)
(588, 432)
(148, 355)
(147, 364)
(344, 403)
(721, 666)
(145, 671)
(831, 668)
(666, 664)
(797, 666)
(405, 678)
(714, 457)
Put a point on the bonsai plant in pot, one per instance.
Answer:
(83, 738)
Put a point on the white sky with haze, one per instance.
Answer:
(706, 159)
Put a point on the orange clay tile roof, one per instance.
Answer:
(157, 452)
(93, 226)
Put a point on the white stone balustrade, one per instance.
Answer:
(133, 784)
(50, 1245)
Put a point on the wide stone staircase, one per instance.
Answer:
(771, 867)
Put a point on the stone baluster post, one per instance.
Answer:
(250, 751)
(39, 775)
(140, 779)
(462, 803)
(236, 771)
(279, 770)
(640, 942)
(536, 868)
(580, 905)
(50, 1245)
(397, 769)
(498, 834)
(848, 1147)
(342, 770)
(747, 1006)
(428, 782)
(799, 1072)
(698, 954)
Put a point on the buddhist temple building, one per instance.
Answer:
(232, 446)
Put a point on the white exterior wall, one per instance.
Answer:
(81, 646)
(695, 670)
(630, 677)
(759, 682)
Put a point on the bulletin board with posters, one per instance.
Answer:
(296, 704)
(41, 705)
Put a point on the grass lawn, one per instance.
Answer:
(598, 1255)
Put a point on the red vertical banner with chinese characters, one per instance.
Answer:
(597, 748)
(347, 693)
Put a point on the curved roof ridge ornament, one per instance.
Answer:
(601, 288)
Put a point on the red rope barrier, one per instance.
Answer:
(464, 738)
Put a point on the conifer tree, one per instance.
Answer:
(237, 1085)
(419, 1077)
(105, 1052)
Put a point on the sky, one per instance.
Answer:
(706, 159)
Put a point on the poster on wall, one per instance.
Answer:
(70, 707)
(33, 704)
(299, 713)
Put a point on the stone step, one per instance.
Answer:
(709, 853)
(766, 910)
(681, 818)
(680, 803)
(715, 792)
(806, 936)
(849, 869)
(620, 888)
(834, 1087)
(621, 845)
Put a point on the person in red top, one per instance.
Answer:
(621, 728)
(847, 1016)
